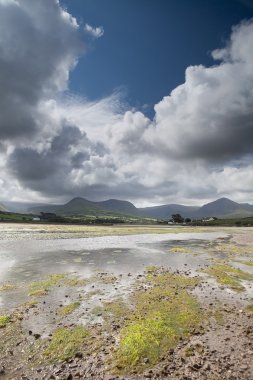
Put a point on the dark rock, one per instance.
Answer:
(196, 366)
(79, 355)
(2, 371)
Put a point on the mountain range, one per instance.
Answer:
(221, 208)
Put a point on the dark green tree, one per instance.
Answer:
(177, 218)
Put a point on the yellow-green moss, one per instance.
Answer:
(151, 269)
(6, 287)
(161, 315)
(249, 263)
(145, 339)
(4, 319)
(65, 343)
(229, 276)
(38, 293)
(249, 309)
(173, 280)
(179, 250)
(234, 249)
(41, 288)
(68, 309)
(117, 309)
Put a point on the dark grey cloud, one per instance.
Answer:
(69, 149)
(39, 43)
(68, 136)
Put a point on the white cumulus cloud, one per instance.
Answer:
(95, 32)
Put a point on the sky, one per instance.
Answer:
(149, 101)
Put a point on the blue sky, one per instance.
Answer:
(149, 101)
(147, 44)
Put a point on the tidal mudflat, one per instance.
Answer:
(125, 302)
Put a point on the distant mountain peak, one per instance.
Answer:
(223, 199)
(221, 208)
(77, 199)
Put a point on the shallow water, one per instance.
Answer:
(24, 261)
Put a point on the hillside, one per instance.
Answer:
(81, 206)
(165, 211)
(77, 206)
(115, 205)
(224, 207)
(221, 208)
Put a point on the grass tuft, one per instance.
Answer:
(4, 319)
(68, 309)
(65, 343)
(41, 288)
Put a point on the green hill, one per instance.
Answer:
(221, 208)
(81, 206)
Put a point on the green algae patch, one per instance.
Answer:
(65, 343)
(117, 310)
(38, 293)
(232, 250)
(249, 263)
(68, 309)
(171, 280)
(179, 250)
(229, 276)
(7, 287)
(162, 314)
(4, 319)
(41, 288)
